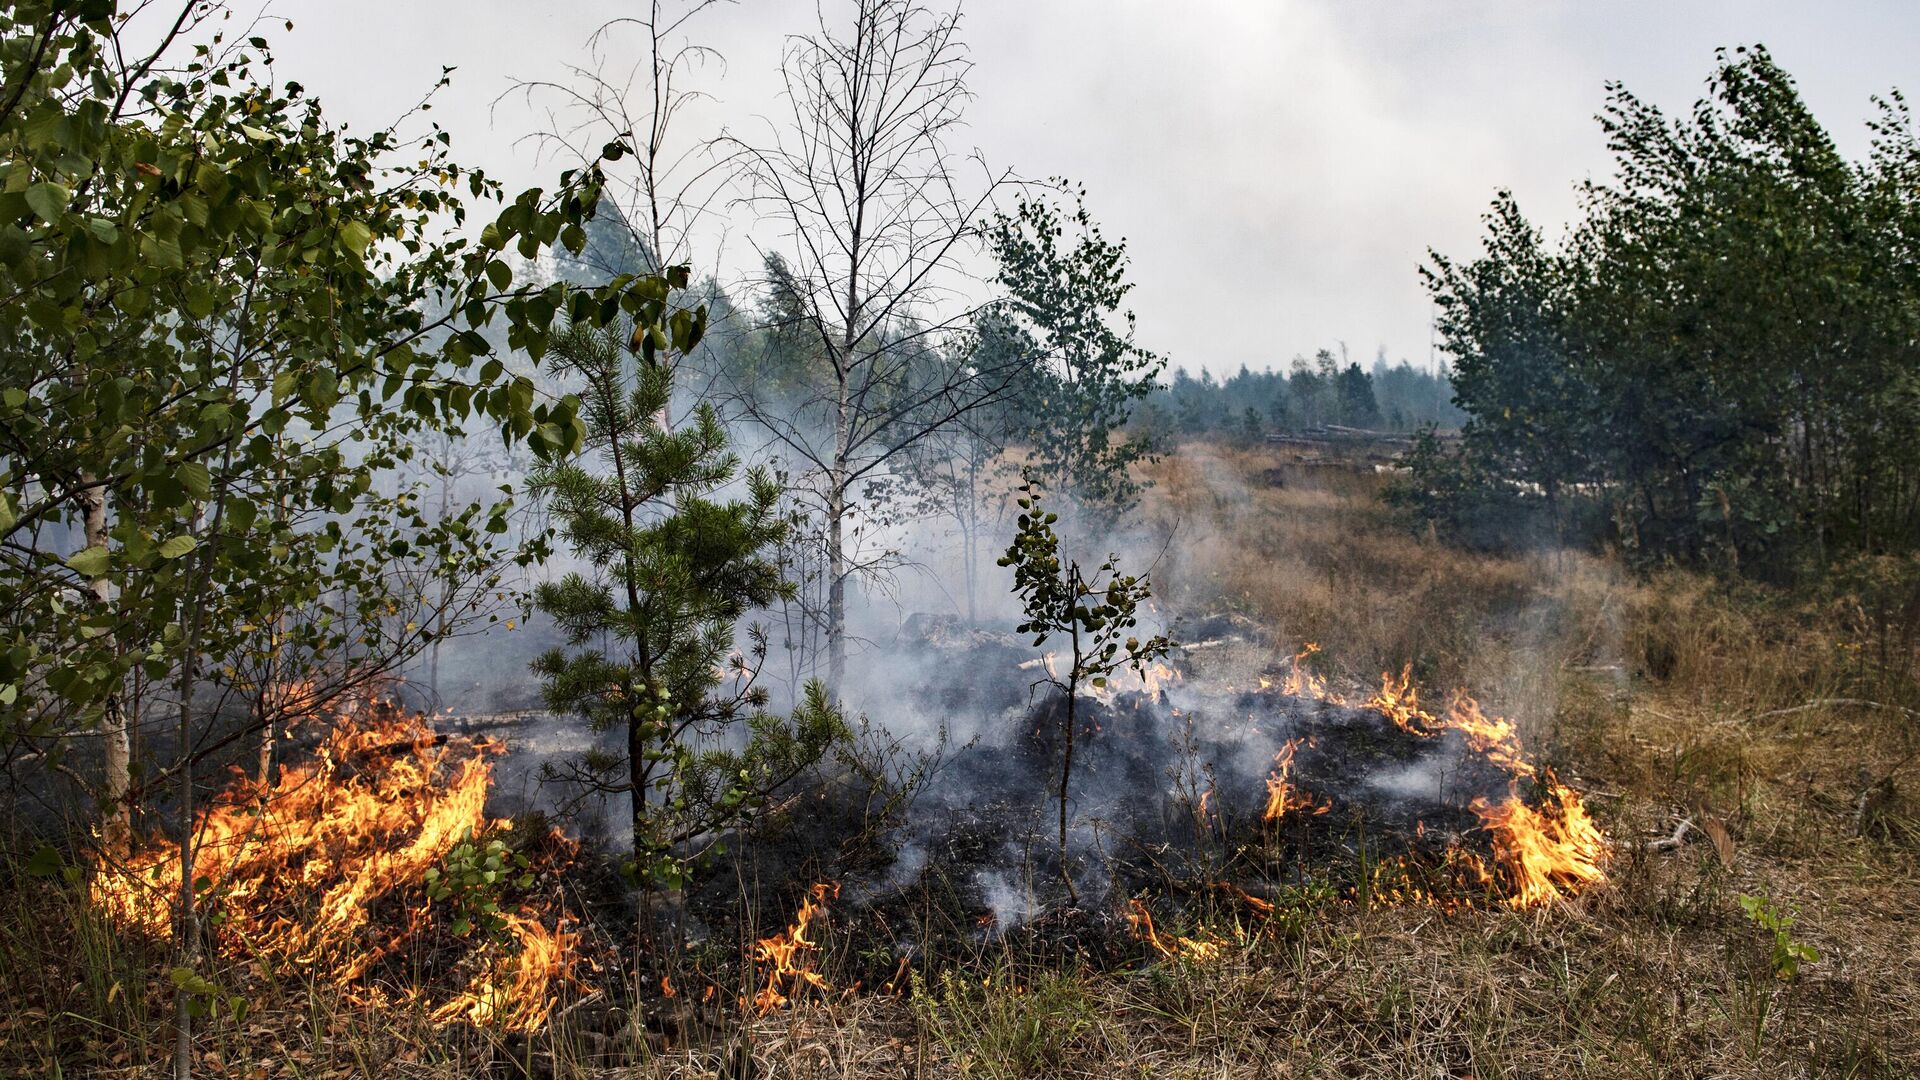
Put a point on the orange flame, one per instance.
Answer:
(1301, 682)
(296, 867)
(1547, 853)
(790, 956)
(1282, 795)
(1171, 947)
(1494, 736)
(1542, 854)
(513, 992)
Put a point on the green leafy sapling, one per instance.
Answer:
(1788, 952)
(472, 879)
(1094, 612)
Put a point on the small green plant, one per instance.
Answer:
(471, 880)
(1788, 954)
(1002, 1028)
(206, 997)
(1094, 612)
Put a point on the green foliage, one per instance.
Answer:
(1721, 351)
(1095, 612)
(204, 997)
(1452, 488)
(1084, 373)
(219, 335)
(650, 624)
(1529, 399)
(1788, 953)
(472, 880)
(991, 1032)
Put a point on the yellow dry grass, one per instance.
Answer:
(1760, 718)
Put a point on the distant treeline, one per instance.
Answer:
(1249, 404)
(1718, 363)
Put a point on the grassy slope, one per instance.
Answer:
(1652, 694)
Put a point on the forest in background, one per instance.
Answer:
(289, 411)
(1716, 363)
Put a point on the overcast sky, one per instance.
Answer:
(1280, 167)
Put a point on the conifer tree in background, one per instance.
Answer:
(650, 623)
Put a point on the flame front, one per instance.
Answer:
(790, 956)
(1301, 682)
(1173, 946)
(1282, 794)
(1547, 853)
(296, 868)
(1493, 736)
(514, 990)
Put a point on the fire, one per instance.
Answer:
(295, 869)
(1171, 947)
(1541, 854)
(1546, 853)
(790, 956)
(1256, 904)
(513, 991)
(1301, 682)
(1155, 677)
(1282, 795)
(1493, 736)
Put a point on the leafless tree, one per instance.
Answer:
(875, 220)
(671, 185)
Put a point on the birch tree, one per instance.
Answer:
(225, 315)
(874, 212)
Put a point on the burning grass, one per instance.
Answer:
(323, 873)
(1653, 701)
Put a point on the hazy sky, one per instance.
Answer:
(1280, 167)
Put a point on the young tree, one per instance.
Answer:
(873, 208)
(218, 334)
(444, 460)
(1720, 353)
(1085, 372)
(951, 475)
(1093, 611)
(1502, 318)
(671, 570)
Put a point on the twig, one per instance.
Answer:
(1827, 703)
(1677, 840)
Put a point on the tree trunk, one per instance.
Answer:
(1066, 758)
(116, 823)
(265, 774)
(276, 671)
(1066, 774)
(836, 591)
(843, 429)
(186, 928)
(969, 540)
(187, 925)
(836, 532)
(637, 809)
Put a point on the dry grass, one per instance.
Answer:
(1661, 695)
